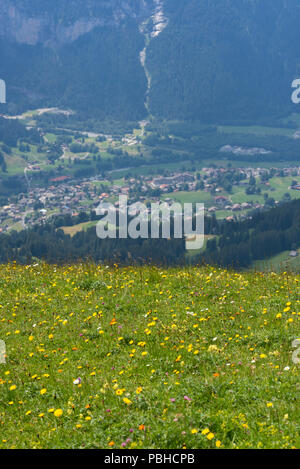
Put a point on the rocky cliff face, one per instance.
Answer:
(59, 22)
(82, 54)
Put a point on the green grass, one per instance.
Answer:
(16, 164)
(221, 214)
(178, 358)
(191, 254)
(294, 117)
(279, 263)
(51, 138)
(72, 230)
(190, 197)
(256, 130)
(16, 227)
(278, 187)
(281, 186)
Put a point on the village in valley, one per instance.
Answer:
(69, 172)
(67, 196)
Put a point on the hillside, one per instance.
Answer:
(212, 61)
(225, 61)
(257, 239)
(103, 357)
(80, 54)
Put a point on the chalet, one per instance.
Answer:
(245, 206)
(221, 200)
(173, 180)
(60, 179)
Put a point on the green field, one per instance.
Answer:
(278, 187)
(256, 130)
(100, 357)
(279, 263)
(72, 230)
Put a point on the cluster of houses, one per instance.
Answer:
(292, 171)
(12, 212)
(67, 196)
(223, 203)
(37, 205)
(63, 196)
(174, 182)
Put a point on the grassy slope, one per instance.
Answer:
(221, 369)
(72, 230)
(256, 130)
(279, 263)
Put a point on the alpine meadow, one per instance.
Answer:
(150, 227)
(148, 358)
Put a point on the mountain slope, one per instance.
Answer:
(201, 59)
(225, 60)
(79, 54)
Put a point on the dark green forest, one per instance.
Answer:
(234, 245)
(79, 75)
(225, 61)
(52, 245)
(215, 61)
(264, 235)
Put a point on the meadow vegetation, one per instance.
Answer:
(109, 357)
